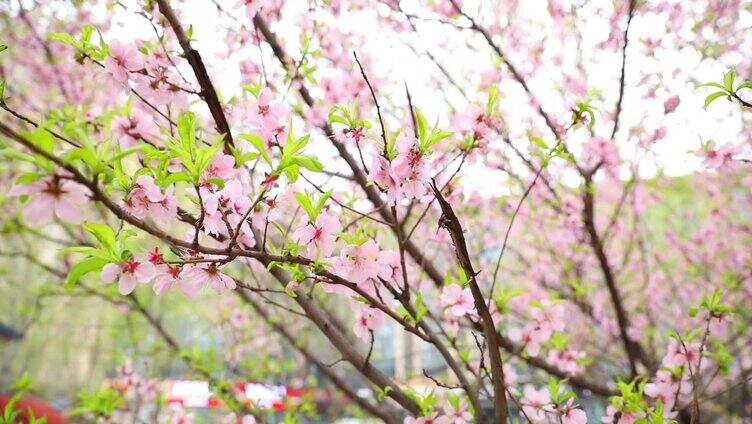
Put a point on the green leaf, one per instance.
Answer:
(3, 48)
(309, 162)
(539, 142)
(177, 177)
(103, 233)
(711, 98)
(259, 144)
(747, 85)
(435, 137)
(82, 268)
(422, 125)
(305, 203)
(728, 80)
(713, 84)
(64, 38)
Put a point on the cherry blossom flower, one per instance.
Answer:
(208, 273)
(320, 238)
(145, 196)
(222, 167)
(128, 273)
(367, 319)
(624, 417)
(458, 415)
(434, 418)
(571, 414)
(535, 403)
(670, 104)
(357, 263)
(459, 300)
(122, 59)
(130, 130)
(50, 197)
(717, 157)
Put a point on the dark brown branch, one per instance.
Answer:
(451, 223)
(208, 93)
(634, 351)
(619, 101)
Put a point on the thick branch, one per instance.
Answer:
(451, 223)
(199, 69)
(386, 415)
(634, 350)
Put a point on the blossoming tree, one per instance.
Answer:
(506, 207)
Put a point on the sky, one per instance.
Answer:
(688, 125)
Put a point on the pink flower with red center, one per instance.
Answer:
(130, 130)
(572, 414)
(716, 157)
(128, 274)
(319, 238)
(381, 175)
(357, 263)
(222, 167)
(434, 418)
(208, 273)
(664, 388)
(123, 58)
(367, 319)
(535, 403)
(167, 277)
(50, 197)
(459, 414)
(459, 300)
(145, 196)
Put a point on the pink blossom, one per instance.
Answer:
(122, 59)
(145, 196)
(50, 197)
(208, 273)
(458, 299)
(357, 263)
(717, 157)
(130, 130)
(670, 104)
(458, 415)
(319, 238)
(128, 273)
(571, 414)
(624, 416)
(367, 319)
(535, 403)
(222, 167)
(429, 419)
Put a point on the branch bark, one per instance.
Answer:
(208, 93)
(451, 223)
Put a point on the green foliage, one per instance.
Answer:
(307, 201)
(11, 413)
(726, 88)
(186, 149)
(557, 392)
(630, 398)
(426, 138)
(712, 304)
(293, 158)
(424, 402)
(109, 248)
(582, 110)
(504, 295)
(84, 46)
(346, 116)
(101, 403)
